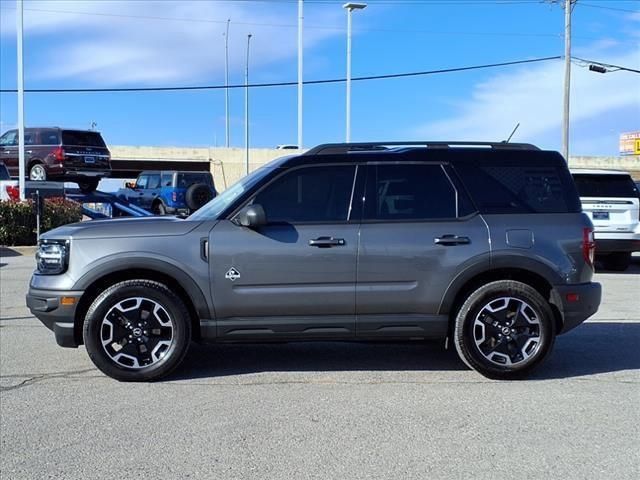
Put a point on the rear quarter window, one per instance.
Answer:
(185, 180)
(605, 186)
(520, 188)
(82, 139)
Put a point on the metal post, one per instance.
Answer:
(226, 84)
(567, 78)
(300, 46)
(19, 30)
(348, 114)
(246, 109)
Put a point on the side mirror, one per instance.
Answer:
(252, 216)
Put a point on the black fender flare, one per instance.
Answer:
(515, 261)
(122, 262)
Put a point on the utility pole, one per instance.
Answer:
(20, 35)
(246, 109)
(226, 84)
(350, 7)
(568, 6)
(300, 52)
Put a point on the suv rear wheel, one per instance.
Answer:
(137, 330)
(88, 186)
(504, 330)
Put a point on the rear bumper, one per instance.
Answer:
(612, 245)
(47, 307)
(585, 300)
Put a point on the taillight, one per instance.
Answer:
(588, 245)
(13, 192)
(58, 154)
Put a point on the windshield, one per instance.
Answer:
(215, 207)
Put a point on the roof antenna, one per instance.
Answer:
(514, 131)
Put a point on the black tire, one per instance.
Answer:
(197, 195)
(88, 186)
(158, 208)
(37, 172)
(493, 363)
(617, 262)
(105, 311)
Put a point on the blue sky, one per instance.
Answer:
(112, 44)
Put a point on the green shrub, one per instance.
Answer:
(18, 219)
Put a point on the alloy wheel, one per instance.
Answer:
(37, 173)
(507, 331)
(136, 332)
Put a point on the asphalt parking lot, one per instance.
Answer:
(323, 410)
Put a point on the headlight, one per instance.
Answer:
(52, 256)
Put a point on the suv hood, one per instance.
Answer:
(124, 227)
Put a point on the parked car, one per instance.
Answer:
(287, 146)
(612, 201)
(170, 191)
(53, 153)
(8, 188)
(486, 248)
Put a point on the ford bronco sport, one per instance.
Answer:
(481, 245)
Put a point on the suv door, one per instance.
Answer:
(9, 152)
(418, 233)
(152, 190)
(294, 277)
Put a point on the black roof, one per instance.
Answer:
(489, 153)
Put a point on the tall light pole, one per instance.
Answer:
(350, 8)
(568, 5)
(226, 84)
(246, 109)
(19, 31)
(300, 21)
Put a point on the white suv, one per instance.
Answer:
(612, 201)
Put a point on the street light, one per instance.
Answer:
(350, 6)
(246, 109)
(226, 84)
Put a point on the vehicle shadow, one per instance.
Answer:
(6, 252)
(591, 348)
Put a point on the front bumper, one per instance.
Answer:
(576, 302)
(47, 306)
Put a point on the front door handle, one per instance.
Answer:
(326, 242)
(451, 240)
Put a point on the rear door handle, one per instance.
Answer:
(326, 242)
(451, 240)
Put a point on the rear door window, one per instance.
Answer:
(167, 179)
(409, 192)
(78, 138)
(154, 181)
(519, 188)
(605, 186)
(49, 137)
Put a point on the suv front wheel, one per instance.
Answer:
(137, 330)
(504, 330)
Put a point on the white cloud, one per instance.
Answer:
(112, 50)
(532, 96)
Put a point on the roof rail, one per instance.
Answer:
(338, 148)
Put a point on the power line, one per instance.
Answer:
(290, 25)
(284, 84)
(617, 9)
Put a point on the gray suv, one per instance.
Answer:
(483, 246)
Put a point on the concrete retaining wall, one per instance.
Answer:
(228, 164)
